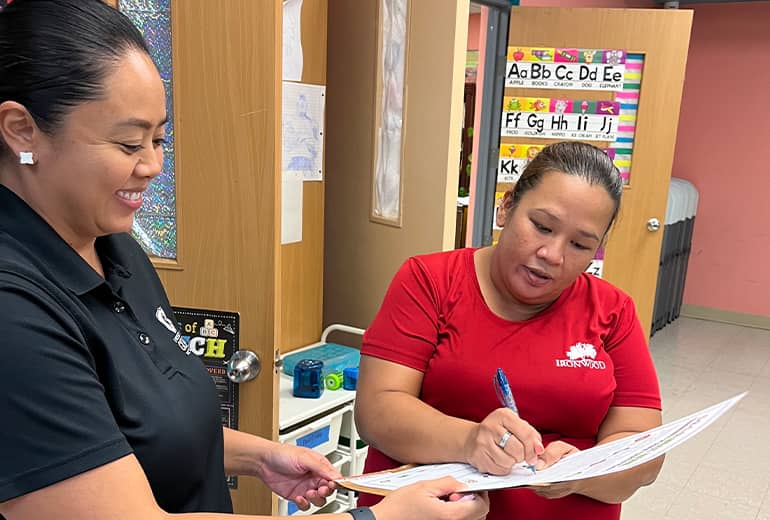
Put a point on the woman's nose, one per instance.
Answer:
(552, 252)
(151, 163)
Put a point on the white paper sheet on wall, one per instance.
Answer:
(292, 40)
(387, 188)
(291, 207)
(302, 129)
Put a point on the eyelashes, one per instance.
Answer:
(546, 231)
(134, 148)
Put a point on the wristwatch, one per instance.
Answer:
(362, 513)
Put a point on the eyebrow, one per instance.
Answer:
(142, 123)
(582, 232)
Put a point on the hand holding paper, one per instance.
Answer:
(603, 459)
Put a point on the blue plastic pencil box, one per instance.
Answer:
(336, 358)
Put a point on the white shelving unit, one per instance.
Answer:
(325, 424)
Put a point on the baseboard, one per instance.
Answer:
(735, 318)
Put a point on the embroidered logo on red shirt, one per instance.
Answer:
(581, 355)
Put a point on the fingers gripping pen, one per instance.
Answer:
(505, 395)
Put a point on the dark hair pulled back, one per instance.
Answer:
(571, 158)
(56, 54)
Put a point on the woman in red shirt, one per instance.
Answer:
(571, 344)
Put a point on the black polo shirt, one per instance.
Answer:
(91, 369)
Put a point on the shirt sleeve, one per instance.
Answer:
(405, 329)
(635, 376)
(56, 420)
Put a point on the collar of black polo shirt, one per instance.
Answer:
(29, 229)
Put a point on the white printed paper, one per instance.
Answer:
(302, 129)
(387, 173)
(292, 40)
(291, 207)
(603, 459)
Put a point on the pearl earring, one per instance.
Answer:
(26, 158)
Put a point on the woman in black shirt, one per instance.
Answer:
(105, 415)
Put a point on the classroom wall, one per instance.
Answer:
(302, 262)
(620, 4)
(473, 31)
(474, 28)
(361, 256)
(730, 234)
(727, 67)
(724, 131)
(731, 242)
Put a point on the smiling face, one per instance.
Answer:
(549, 238)
(92, 173)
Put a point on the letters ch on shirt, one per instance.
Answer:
(581, 355)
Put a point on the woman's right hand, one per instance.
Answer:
(482, 447)
(432, 499)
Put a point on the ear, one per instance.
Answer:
(501, 215)
(17, 127)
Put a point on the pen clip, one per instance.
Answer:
(503, 390)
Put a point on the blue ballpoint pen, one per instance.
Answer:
(505, 395)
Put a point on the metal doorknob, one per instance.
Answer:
(243, 366)
(653, 224)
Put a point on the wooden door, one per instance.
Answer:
(662, 38)
(227, 124)
(227, 92)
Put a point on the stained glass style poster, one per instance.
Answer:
(155, 223)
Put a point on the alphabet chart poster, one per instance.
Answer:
(607, 117)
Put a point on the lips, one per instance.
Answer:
(132, 199)
(536, 277)
(131, 196)
(538, 272)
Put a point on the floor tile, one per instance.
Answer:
(724, 481)
(656, 498)
(693, 505)
(724, 471)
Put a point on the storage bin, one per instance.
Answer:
(357, 468)
(322, 434)
(339, 458)
(349, 428)
(335, 357)
(289, 508)
(344, 502)
(675, 252)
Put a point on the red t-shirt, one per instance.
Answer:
(566, 366)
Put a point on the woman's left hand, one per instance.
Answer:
(558, 490)
(301, 475)
(552, 454)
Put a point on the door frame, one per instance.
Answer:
(491, 92)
